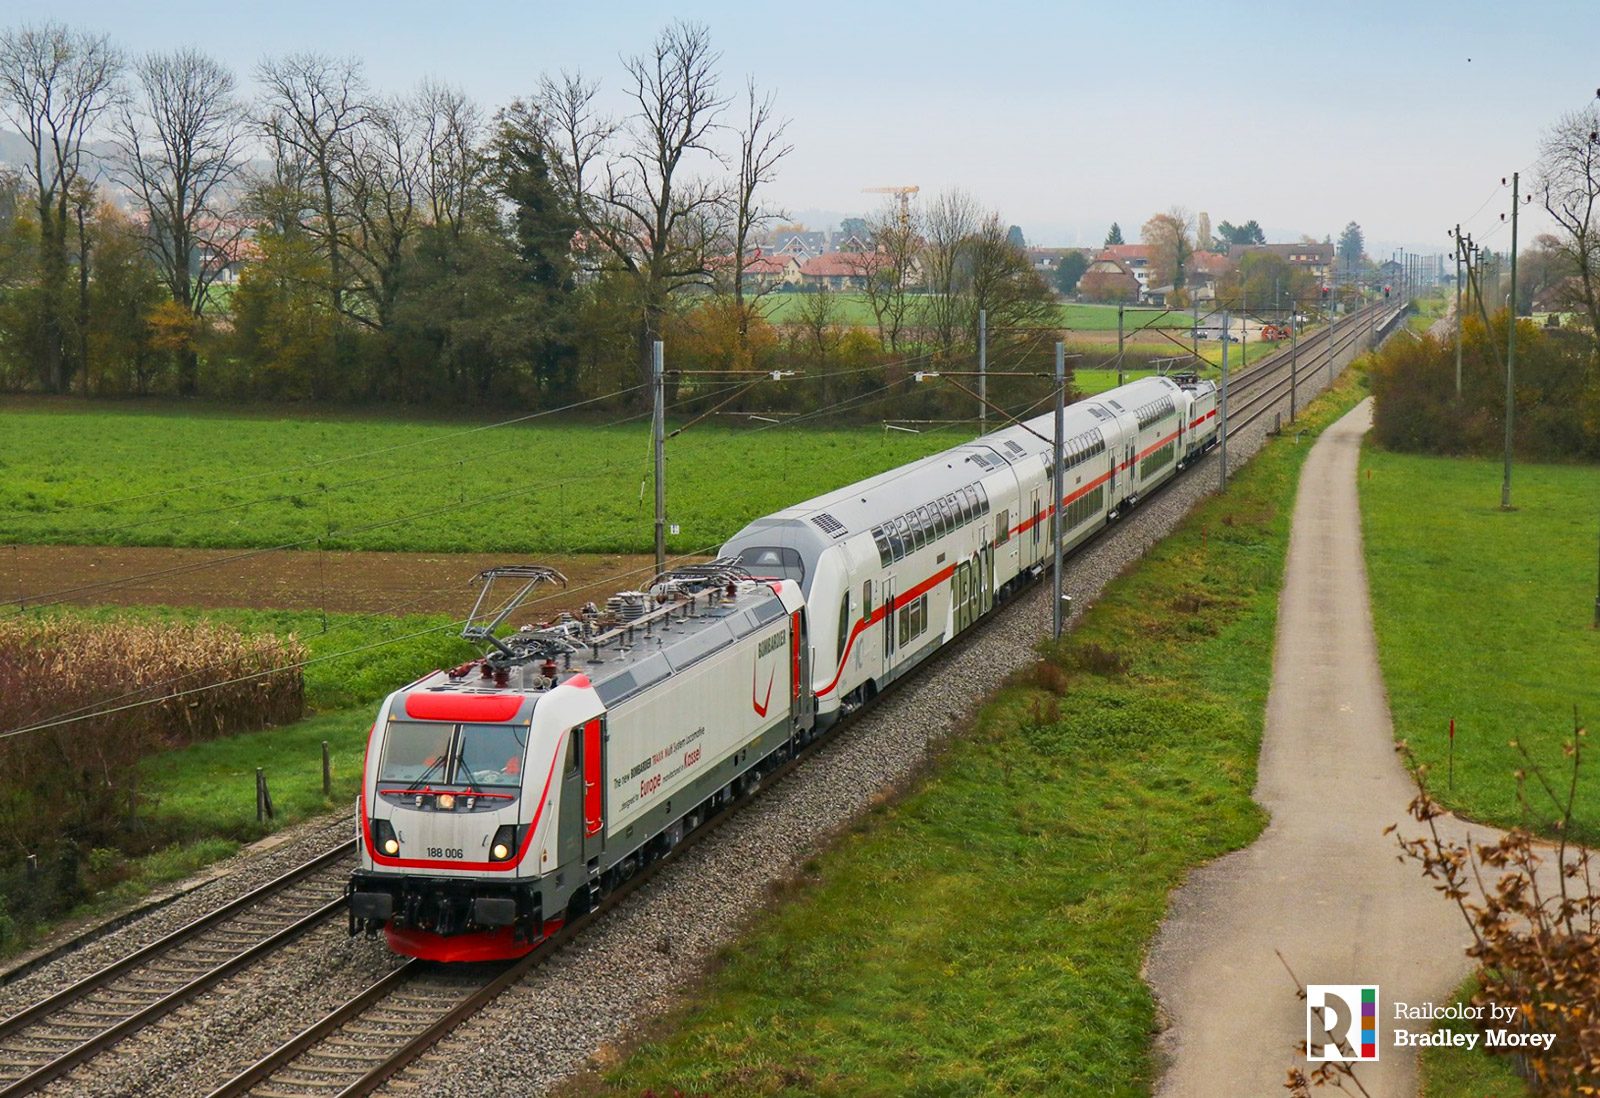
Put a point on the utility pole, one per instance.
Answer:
(1458, 310)
(1194, 329)
(1222, 403)
(1333, 324)
(659, 422)
(1119, 344)
(983, 371)
(1511, 350)
(1244, 332)
(1056, 481)
(1294, 331)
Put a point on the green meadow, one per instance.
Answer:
(1487, 617)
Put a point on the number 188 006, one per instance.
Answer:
(446, 852)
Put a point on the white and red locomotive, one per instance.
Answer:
(509, 794)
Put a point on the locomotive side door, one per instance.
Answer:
(593, 759)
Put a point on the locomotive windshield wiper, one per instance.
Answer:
(422, 778)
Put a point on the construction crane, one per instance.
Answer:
(904, 194)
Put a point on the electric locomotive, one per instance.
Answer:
(508, 794)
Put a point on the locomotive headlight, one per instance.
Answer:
(446, 802)
(385, 838)
(504, 843)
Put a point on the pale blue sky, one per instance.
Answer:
(1062, 116)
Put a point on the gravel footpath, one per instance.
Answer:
(632, 964)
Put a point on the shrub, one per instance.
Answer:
(1557, 393)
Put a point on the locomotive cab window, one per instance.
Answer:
(491, 754)
(415, 751)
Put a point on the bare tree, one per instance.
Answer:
(1569, 177)
(888, 270)
(1002, 283)
(313, 103)
(761, 147)
(629, 182)
(182, 151)
(55, 84)
(949, 226)
(384, 170)
(452, 130)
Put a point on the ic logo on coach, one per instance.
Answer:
(1341, 1022)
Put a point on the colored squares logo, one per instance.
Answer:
(1341, 1022)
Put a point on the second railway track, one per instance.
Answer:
(44, 1041)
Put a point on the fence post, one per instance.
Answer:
(327, 772)
(263, 797)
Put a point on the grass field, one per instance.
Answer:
(422, 486)
(853, 308)
(1485, 616)
(986, 933)
(1458, 1073)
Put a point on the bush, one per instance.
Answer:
(1557, 393)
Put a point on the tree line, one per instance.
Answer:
(320, 239)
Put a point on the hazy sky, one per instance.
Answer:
(1065, 116)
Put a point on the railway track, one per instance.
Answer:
(1254, 393)
(357, 1048)
(44, 1041)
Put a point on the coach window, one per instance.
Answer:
(941, 521)
(901, 540)
(1002, 526)
(866, 598)
(881, 539)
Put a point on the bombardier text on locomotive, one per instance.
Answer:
(503, 797)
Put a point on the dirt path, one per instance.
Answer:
(1322, 885)
(284, 580)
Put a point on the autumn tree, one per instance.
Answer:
(1170, 237)
(181, 145)
(55, 85)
